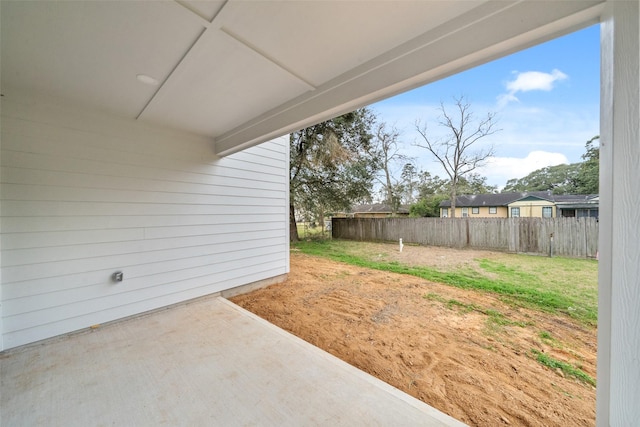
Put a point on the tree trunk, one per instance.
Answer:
(390, 200)
(321, 220)
(293, 227)
(453, 200)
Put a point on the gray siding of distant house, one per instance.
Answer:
(86, 194)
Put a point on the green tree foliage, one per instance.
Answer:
(405, 190)
(475, 184)
(560, 179)
(428, 206)
(429, 185)
(433, 190)
(576, 178)
(588, 177)
(331, 166)
(409, 182)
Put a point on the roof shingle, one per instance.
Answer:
(503, 199)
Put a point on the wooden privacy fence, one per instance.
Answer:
(572, 237)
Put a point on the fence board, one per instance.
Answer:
(572, 237)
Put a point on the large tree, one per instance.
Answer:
(459, 152)
(431, 191)
(588, 177)
(409, 182)
(331, 166)
(429, 185)
(475, 183)
(428, 206)
(559, 179)
(387, 152)
(576, 178)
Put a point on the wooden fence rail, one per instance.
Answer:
(572, 237)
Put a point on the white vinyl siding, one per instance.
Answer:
(84, 195)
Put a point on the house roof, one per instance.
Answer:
(576, 198)
(499, 199)
(504, 199)
(244, 72)
(378, 208)
(569, 201)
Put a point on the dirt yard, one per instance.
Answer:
(407, 332)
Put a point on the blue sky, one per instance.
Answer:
(546, 100)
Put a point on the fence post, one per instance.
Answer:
(575, 237)
(468, 234)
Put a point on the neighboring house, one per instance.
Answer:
(375, 210)
(486, 205)
(132, 140)
(578, 206)
(535, 204)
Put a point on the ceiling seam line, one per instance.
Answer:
(171, 73)
(329, 86)
(264, 55)
(181, 60)
(361, 70)
(204, 21)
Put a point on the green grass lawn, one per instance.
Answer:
(555, 285)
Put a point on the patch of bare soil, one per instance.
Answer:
(424, 339)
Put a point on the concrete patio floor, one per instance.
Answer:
(205, 363)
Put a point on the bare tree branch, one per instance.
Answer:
(456, 153)
(385, 148)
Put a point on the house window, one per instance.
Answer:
(445, 212)
(475, 210)
(493, 210)
(515, 212)
(465, 212)
(547, 212)
(586, 213)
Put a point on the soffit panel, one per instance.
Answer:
(321, 40)
(219, 85)
(206, 9)
(90, 52)
(242, 71)
(489, 31)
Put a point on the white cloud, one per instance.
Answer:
(528, 81)
(506, 98)
(501, 169)
(535, 80)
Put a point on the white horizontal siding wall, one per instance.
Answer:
(84, 195)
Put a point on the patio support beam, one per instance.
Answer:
(618, 390)
(457, 45)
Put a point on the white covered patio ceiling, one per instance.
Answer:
(243, 72)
